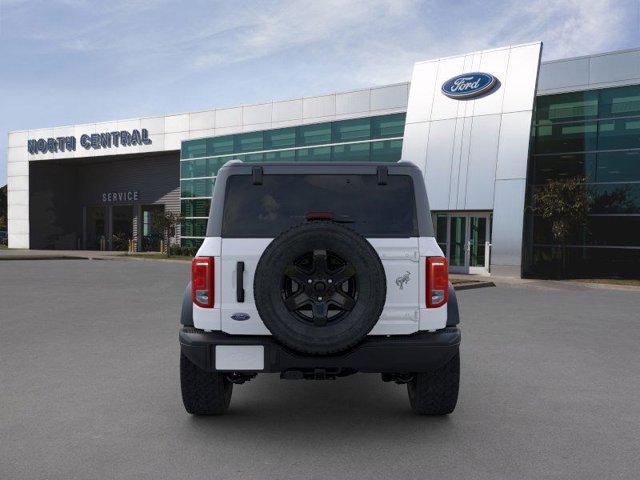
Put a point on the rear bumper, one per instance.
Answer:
(419, 352)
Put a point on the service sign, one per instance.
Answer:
(93, 141)
(469, 85)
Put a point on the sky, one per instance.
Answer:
(65, 62)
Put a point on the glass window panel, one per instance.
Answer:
(574, 137)
(186, 188)
(620, 102)
(220, 145)
(615, 198)
(313, 134)
(283, 200)
(387, 126)
(616, 134)
(355, 152)
(318, 154)
(280, 138)
(387, 151)
(618, 167)
(457, 241)
(352, 130)
(193, 228)
(186, 169)
(566, 107)
(191, 242)
(587, 262)
(280, 156)
(195, 208)
(215, 164)
(613, 230)
(549, 167)
(248, 142)
(253, 157)
(194, 148)
(441, 232)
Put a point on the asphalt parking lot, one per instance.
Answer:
(89, 390)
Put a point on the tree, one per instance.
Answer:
(565, 204)
(166, 223)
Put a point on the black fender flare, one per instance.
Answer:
(453, 313)
(186, 313)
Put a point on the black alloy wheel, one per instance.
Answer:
(320, 287)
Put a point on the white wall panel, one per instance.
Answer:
(287, 110)
(514, 145)
(314, 107)
(439, 159)
(393, 96)
(176, 123)
(494, 62)
(508, 215)
(202, 120)
(229, 117)
(445, 107)
(18, 139)
(614, 67)
(556, 75)
(352, 102)
(421, 93)
(253, 114)
(414, 144)
(481, 168)
(522, 76)
(17, 154)
(17, 168)
(154, 125)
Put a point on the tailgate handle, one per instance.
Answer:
(240, 282)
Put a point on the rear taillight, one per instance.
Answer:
(202, 281)
(437, 281)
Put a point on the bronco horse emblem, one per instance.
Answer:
(402, 279)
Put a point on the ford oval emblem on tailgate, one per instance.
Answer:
(241, 317)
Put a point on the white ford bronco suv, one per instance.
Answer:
(318, 271)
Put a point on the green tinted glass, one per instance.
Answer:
(388, 126)
(248, 142)
(191, 242)
(313, 134)
(618, 166)
(351, 130)
(195, 208)
(620, 102)
(280, 138)
(573, 137)
(280, 156)
(356, 152)
(193, 228)
(387, 151)
(194, 148)
(319, 154)
(622, 133)
(566, 107)
(219, 145)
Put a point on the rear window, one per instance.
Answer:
(264, 211)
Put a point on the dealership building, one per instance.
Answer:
(489, 129)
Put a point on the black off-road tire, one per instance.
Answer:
(203, 393)
(436, 392)
(354, 325)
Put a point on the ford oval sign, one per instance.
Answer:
(240, 317)
(469, 85)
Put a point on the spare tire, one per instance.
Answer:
(319, 287)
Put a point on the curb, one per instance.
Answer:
(473, 285)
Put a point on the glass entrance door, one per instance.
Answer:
(122, 227)
(465, 238)
(95, 227)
